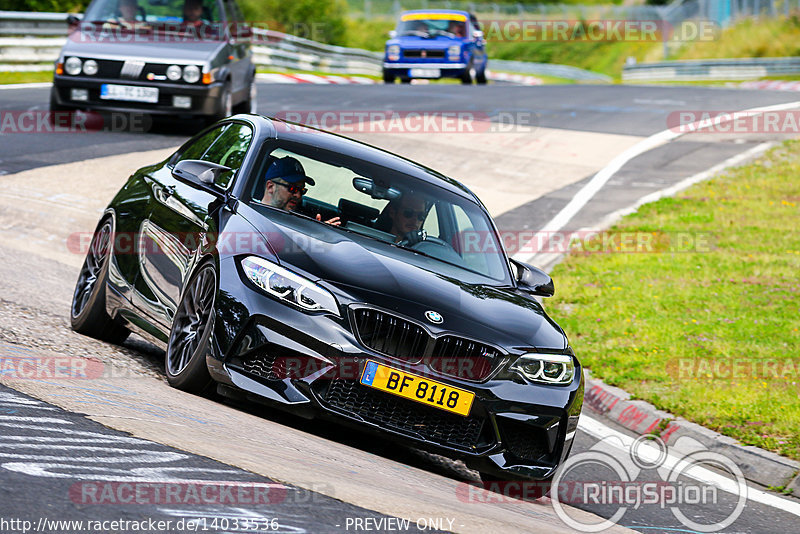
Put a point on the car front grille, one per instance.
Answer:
(437, 54)
(407, 417)
(405, 340)
(463, 358)
(525, 441)
(391, 335)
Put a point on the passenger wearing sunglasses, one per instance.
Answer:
(407, 214)
(286, 184)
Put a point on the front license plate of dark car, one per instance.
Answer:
(129, 93)
(417, 388)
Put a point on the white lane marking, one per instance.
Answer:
(549, 258)
(34, 419)
(37, 85)
(595, 428)
(594, 185)
(674, 189)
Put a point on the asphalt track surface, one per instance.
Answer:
(631, 111)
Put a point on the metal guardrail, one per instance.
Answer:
(711, 69)
(548, 69)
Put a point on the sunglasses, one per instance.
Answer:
(293, 189)
(408, 214)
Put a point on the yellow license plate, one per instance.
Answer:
(417, 388)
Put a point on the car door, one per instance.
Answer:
(181, 220)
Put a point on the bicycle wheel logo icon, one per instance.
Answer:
(603, 476)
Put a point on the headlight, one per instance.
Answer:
(393, 52)
(546, 368)
(90, 67)
(174, 73)
(73, 66)
(454, 52)
(191, 74)
(288, 286)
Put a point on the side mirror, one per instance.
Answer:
(533, 279)
(198, 172)
(392, 34)
(477, 34)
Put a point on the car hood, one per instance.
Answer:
(369, 271)
(156, 49)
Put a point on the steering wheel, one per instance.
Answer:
(414, 237)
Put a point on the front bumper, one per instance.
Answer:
(204, 98)
(513, 428)
(403, 69)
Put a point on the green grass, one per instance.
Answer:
(779, 37)
(26, 77)
(635, 318)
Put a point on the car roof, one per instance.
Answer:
(453, 11)
(308, 135)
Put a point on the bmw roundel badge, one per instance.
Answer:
(434, 317)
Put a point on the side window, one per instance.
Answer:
(229, 149)
(199, 147)
(431, 224)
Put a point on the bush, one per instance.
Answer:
(319, 20)
(54, 6)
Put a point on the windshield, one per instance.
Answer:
(381, 204)
(433, 24)
(158, 14)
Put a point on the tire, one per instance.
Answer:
(480, 77)
(388, 77)
(405, 80)
(225, 107)
(249, 105)
(466, 77)
(88, 310)
(191, 333)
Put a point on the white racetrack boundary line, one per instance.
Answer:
(598, 430)
(601, 178)
(549, 258)
(37, 85)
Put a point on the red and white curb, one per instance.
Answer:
(313, 78)
(519, 79)
(773, 85)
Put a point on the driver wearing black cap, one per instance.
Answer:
(286, 184)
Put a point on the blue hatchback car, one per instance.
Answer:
(436, 43)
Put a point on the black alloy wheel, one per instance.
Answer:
(190, 337)
(88, 311)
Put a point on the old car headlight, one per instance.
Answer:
(393, 52)
(191, 74)
(174, 73)
(546, 368)
(90, 67)
(288, 286)
(454, 53)
(73, 66)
